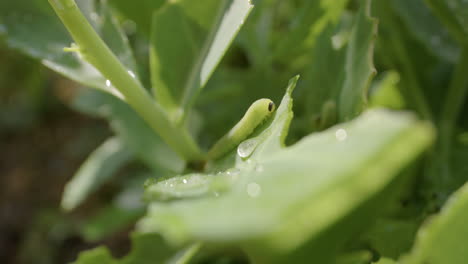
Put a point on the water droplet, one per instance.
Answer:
(131, 74)
(247, 147)
(254, 189)
(259, 168)
(108, 83)
(341, 134)
(171, 185)
(184, 181)
(233, 171)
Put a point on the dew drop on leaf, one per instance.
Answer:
(246, 148)
(341, 134)
(254, 189)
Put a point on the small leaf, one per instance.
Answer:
(385, 93)
(342, 68)
(193, 41)
(359, 68)
(443, 238)
(108, 221)
(131, 129)
(453, 13)
(146, 249)
(96, 170)
(424, 25)
(311, 20)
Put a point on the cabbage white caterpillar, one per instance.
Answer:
(255, 115)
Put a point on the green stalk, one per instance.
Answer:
(446, 16)
(453, 103)
(414, 88)
(96, 52)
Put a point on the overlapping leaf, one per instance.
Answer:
(187, 43)
(49, 37)
(283, 197)
(443, 239)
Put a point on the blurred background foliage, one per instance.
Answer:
(49, 125)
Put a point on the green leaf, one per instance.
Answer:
(385, 93)
(392, 237)
(131, 129)
(286, 196)
(401, 51)
(108, 221)
(139, 12)
(311, 20)
(187, 44)
(453, 14)
(359, 68)
(147, 249)
(427, 29)
(355, 258)
(386, 261)
(268, 138)
(96, 170)
(100, 255)
(190, 186)
(443, 238)
(343, 66)
(46, 38)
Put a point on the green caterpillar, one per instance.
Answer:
(255, 115)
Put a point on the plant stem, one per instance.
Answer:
(446, 15)
(96, 52)
(414, 87)
(451, 108)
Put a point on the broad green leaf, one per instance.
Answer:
(342, 66)
(33, 28)
(454, 14)
(286, 196)
(96, 170)
(146, 249)
(131, 129)
(191, 186)
(443, 238)
(187, 44)
(100, 255)
(422, 23)
(311, 20)
(268, 138)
